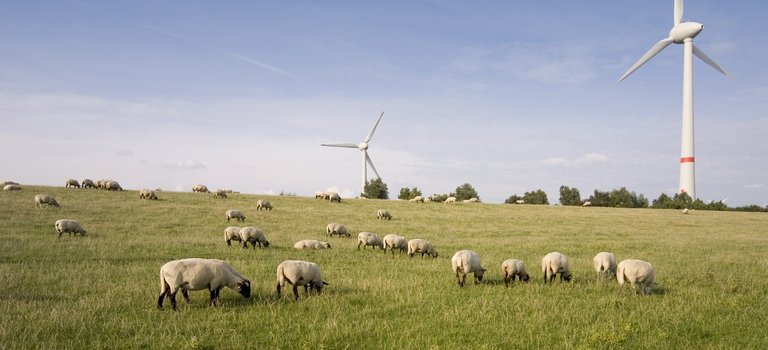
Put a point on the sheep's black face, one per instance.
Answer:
(266, 243)
(567, 277)
(525, 277)
(244, 288)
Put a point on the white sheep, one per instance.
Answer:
(220, 194)
(520, 201)
(587, 204)
(605, 264)
(232, 233)
(235, 214)
(113, 186)
(554, 263)
(312, 244)
(422, 246)
(511, 268)
(384, 214)
(369, 239)
(464, 262)
(70, 226)
(339, 229)
(88, 183)
(263, 204)
(393, 241)
(300, 273)
(319, 195)
(197, 274)
(5, 183)
(200, 188)
(12, 187)
(450, 200)
(72, 183)
(147, 194)
(638, 273)
(417, 199)
(333, 196)
(253, 235)
(41, 199)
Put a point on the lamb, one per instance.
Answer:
(417, 199)
(638, 273)
(299, 273)
(422, 246)
(70, 226)
(147, 194)
(339, 229)
(197, 274)
(464, 262)
(235, 214)
(511, 268)
(312, 244)
(88, 183)
(12, 187)
(263, 204)
(112, 186)
(72, 183)
(384, 214)
(605, 264)
(41, 199)
(393, 241)
(253, 235)
(554, 263)
(232, 233)
(369, 239)
(200, 189)
(450, 200)
(220, 194)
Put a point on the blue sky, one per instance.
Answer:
(509, 96)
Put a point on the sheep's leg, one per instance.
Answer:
(245, 244)
(214, 297)
(358, 245)
(278, 289)
(296, 292)
(172, 296)
(160, 299)
(229, 243)
(185, 294)
(507, 280)
(463, 279)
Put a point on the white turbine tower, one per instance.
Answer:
(683, 33)
(363, 146)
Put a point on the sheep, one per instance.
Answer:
(393, 241)
(587, 204)
(72, 183)
(554, 263)
(417, 199)
(473, 200)
(263, 204)
(12, 187)
(333, 196)
(232, 233)
(422, 246)
(200, 189)
(319, 195)
(70, 226)
(464, 262)
(312, 244)
(253, 235)
(605, 264)
(369, 239)
(637, 273)
(300, 273)
(220, 194)
(88, 183)
(450, 200)
(147, 194)
(339, 229)
(511, 268)
(384, 214)
(112, 186)
(41, 199)
(4, 183)
(520, 201)
(197, 274)
(235, 214)
(685, 211)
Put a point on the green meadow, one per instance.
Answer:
(100, 291)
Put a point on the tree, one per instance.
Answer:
(464, 192)
(513, 199)
(569, 196)
(536, 197)
(409, 193)
(375, 189)
(438, 197)
(620, 198)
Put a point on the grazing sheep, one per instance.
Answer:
(232, 233)
(200, 189)
(263, 204)
(235, 214)
(384, 214)
(147, 194)
(450, 200)
(464, 262)
(554, 263)
(12, 187)
(587, 204)
(637, 273)
(520, 201)
(369, 239)
(422, 246)
(685, 211)
(197, 274)
(319, 195)
(333, 196)
(41, 199)
(253, 235)
(72, 183)
(300, 273)
(4, 183)
(88, 183)
(393, 241)
(417, 199)
(427, 199)
(605, 264)
(220, 194)
(511, 268)
(312, 244)
(70, 226)
(339, 229)
(112, 186)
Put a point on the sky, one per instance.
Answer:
(508, 96)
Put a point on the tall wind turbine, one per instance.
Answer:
(362, 146)
(683, 33)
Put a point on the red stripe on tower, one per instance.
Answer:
(687, 160)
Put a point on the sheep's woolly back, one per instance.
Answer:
(636, 272)
(605, 263)
(196, 274)
(466, 261)
(298, 273)
(312, 244)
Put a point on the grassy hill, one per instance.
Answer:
(100, 291)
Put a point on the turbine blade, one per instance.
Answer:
(678, 11)
(345, 145)
(370, 134)
(370, 162)
(702, 56)
(648, 55)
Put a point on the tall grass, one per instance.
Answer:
(100, 291)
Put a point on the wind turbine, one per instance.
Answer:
(682, 33)
(362, 146)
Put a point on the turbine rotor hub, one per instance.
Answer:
(362, 146)
(685, 30)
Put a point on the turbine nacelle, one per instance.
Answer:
(363, 146)
(685, 30)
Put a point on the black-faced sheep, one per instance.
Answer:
(338, 229)
(393, 241)
(554, 263)
(41, 199)
(263, 204)
(197, 274)
(235, 214)
(511, 268)
(312, 244)
(232, 233)
(464, 262)
(147, 194)
(369, 239)
(200, 189)
(69, 226)
(88, 183)
(253, 235)
(605, 264)
(384, 214)
(220, 194)
(422, 246)
(638, 273)
(12, 187)
(72, 183)
(299, 273)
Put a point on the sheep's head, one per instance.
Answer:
(567, 276)
(265, 243)
(434, 254)
(525, 277)
(318, 287)
(244, 288)
(479, 275)
(327, 245)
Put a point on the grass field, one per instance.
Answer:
(100, 291)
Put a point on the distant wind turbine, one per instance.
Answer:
(682, 33)
(363, 146)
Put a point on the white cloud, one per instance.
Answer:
(187, 164)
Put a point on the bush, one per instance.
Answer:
(406, 193)
(375, 189)
(464, 192)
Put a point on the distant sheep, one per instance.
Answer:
(88, 183)
(312, 244)
(333, 196)
(384, 214)
(69, 226)
(253, 235)
(417, 199)
(235, 214)
(685, 211)
(5, 183)
(41, 199)
(232, 233)
(300, 273)
(369, 239)
(263, 204)
(112, 186)
(200, 189)
(393, 241)
(554, 263)
(147, 194)
(638, 273)
(319, 195)
(605, 264)
(464, 262)
(72, 183)
(197, 274)
(422, 246)
(511, 268)
(450, 200)
(338, 229)
(12, 187)
(520, 201)
(220, 194)
(587, 204)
